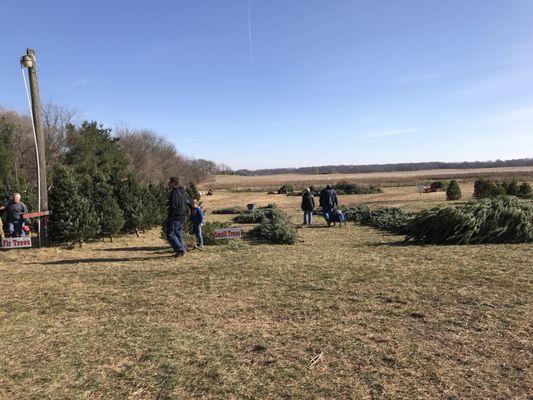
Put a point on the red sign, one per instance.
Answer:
(228, 233)
(16, 243)
(36, 214)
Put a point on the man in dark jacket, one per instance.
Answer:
(308, 205)
(178, 207)
(328, 202)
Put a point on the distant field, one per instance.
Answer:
(384, 178)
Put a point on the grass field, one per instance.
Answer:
(380, 178)
(346, 313)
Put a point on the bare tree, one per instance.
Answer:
(23, 143)
(56, 120)
(154, 159)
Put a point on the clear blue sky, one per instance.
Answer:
(331, 82)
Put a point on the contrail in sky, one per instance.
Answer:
(250, 33)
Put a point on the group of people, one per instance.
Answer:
(16, 224)
(328, 201)
(179, 205)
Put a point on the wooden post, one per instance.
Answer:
(36, 113)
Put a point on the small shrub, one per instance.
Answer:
(227, 210)
(484, 188)
(258, 215)
(524, 190)
(208, 232)
(453, 191)
(353, 188)
(286, 189)
(275, 230)
(512, 188)
(348, 188)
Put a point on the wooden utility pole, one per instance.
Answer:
(39, 138)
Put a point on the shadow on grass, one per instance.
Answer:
(140, 248)
(99, 260)
(315, 226)
(397, 243)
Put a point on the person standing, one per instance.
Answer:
(328, 202)
(15, 211)
(1, 224)
(197, 219)
(178, 205)
(308, 205)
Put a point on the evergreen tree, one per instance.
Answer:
(524, 190)
(93, 151)
(484, 188)
(73, 219)
(152, 215)
(192, 192)
(158, 203)
(129, 196)
(512, 188)
(453, 191)
(110, 215)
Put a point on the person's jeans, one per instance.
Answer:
(308, 217)
(15, 228)
(327, 214)
(175, 235)
(197, 230)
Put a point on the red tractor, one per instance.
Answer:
(437, 186)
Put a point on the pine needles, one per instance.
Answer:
(499, 220)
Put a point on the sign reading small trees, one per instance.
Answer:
(228, 233)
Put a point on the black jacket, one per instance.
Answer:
(308, 202)
(328, 199)
(178, 204)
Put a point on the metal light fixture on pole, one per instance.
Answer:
(29, 61)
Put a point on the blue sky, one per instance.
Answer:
(330, 82)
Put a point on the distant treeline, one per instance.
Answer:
(420, 166)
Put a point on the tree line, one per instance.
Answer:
(101, 181)
(419, 166)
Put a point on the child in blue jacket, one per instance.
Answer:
(197, 218)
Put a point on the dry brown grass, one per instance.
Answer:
(378, 178)
(126, 321)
